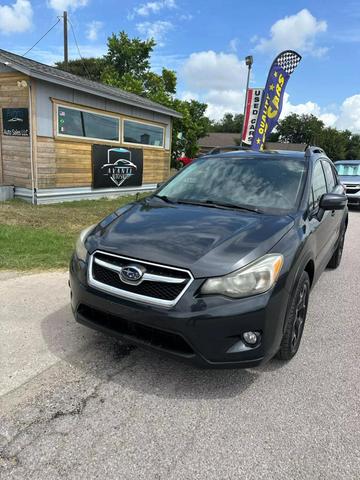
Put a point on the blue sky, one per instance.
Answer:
(206, 42)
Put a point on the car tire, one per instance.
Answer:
(295, 319)
(336, 258)
(179, 165)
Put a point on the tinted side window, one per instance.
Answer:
(336, 176)
(329, 175)
(318, 184)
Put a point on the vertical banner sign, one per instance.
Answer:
(251, 113)
(272, 99)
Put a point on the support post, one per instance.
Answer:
(66, 48)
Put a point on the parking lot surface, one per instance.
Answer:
(76, 404)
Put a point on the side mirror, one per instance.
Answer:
(333, 201)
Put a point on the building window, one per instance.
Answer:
(143, 133)
(84, 124)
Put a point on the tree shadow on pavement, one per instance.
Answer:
(137, 369)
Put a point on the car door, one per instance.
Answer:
(321, 226)
(333, 186)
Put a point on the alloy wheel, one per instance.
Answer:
(300, 315)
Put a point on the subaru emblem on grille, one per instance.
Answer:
(132, 274)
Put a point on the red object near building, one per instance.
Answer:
(182, 162)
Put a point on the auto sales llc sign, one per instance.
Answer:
(251, 113)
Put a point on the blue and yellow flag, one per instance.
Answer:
(272, 99)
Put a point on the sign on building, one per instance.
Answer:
(15, 122)
(116, 167)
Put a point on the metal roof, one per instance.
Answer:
(60, 77)
(218, 139)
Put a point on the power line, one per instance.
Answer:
(41, 38)
(78, 49)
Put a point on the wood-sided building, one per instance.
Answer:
(64, 137)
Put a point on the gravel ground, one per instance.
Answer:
(75, 404)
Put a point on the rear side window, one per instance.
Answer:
(318, 184)
(329, 175)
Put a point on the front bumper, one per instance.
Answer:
(353, 199)
(204, 330)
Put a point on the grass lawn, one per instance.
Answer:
(43, 237)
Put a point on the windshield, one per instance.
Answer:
(346, 169)
(259, 183)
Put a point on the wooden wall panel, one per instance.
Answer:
(68, 164)
(46, 162)
(15, 166)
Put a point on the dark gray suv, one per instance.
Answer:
(215, 267)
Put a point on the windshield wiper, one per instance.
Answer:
(213, 204)
(164, 198)
(233, 205)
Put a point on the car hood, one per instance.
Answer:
(208, 241)
(345, 179)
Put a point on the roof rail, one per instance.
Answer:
(309, 150)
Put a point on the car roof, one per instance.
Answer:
(348, 162)
(257, 155)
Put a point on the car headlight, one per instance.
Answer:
(80, 248)
(258, 277)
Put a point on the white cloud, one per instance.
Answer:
(187, 95)
(345, 117)
(217, 79)
(93, 29)
(186, 17)
(156, 30)
(16, 18)
(233, 44)
(63, 5)
(349, 117)
(149, 8)
(308, 108)
(224, 101)
(297, 32)
(217, 71)
(330, 119)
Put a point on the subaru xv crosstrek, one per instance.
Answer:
(216, 266)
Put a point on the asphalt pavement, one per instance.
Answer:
(75, 404)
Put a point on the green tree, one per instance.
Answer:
(126, 65)
(300, 129)
(334, 142)
(129, 55)
(353, 148)
(230, 123)
(87, 67)
(187, 130)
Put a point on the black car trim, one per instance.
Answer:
(131, 295)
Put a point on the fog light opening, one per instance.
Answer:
(251, 338)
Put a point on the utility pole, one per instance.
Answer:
(248, 61)
(66, 50)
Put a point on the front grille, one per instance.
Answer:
(146, 334)
(352, 189)
(165, 289)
